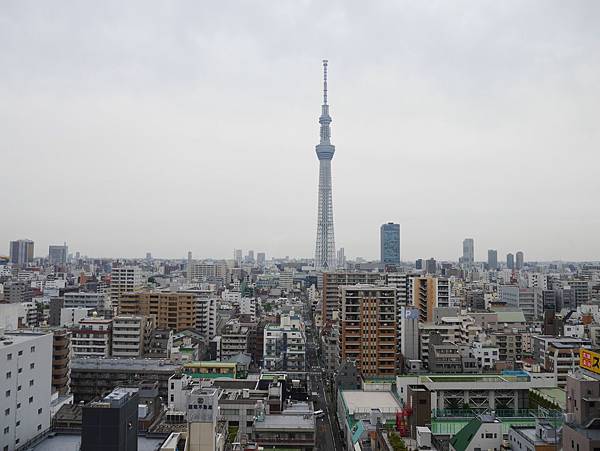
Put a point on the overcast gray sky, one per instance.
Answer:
(158, 126)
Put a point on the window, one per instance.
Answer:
(7, 393)
(20, 353)
(172, 398)
(31, 383)
(19, 388)
(6, 411)
(18, 405)
(8, 356)
(39, 427)
(8, 375)
(18, 423)
(6, 429)
(30, 399)
(32, 349)
(39, 410)
(17, 441)
(20, 370)
(31, 366)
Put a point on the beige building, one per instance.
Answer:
(368, 332)
(171, 310)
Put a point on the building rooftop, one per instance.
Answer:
(62, 442)
(359, 401)
(113, 364)
(18, 337)
(286, 422)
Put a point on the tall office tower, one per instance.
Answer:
(519, 263)
(492, 259)
(237, 256)
(261, 259)
(510, 261)
(124, 279)
(25, 384)
(468, 251)
(419, 264)
(431, 266)
(148, 255)
(341, 258)
(111, 423)
(21, 252)
(389, 235)
(325, 246)
(368, 336)
(250, 257)
(57, 255)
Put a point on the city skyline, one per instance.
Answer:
(427, 116)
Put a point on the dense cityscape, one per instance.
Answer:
(298, 354)
(255, 351)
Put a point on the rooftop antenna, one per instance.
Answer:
(325, 82)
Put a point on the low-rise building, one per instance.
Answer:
(92, 337)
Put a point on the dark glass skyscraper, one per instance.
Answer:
(390, 243)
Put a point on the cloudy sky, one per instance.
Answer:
(129, 127)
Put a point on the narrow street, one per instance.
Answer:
(327, 431)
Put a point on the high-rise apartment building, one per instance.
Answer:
(92, 337)
(325, 246)
(21, 252)
(61, 361)
(57, 254)
(131, 335)
(250, 257)
(368, 332)
(468, 257)
(510, 261)
(124, 279)
(261, 259)
(333, 280)
(492, 259)
(519, 262)
(429, 293)
(172, 310)
(389, 237)
(25, 387)
(285, 345)
(207, 318)
(211, 272)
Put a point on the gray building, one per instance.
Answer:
(468, 251)
(57, 254)
(389, 235)
(21, 252)
(510, 261)
(17, 292)
(111, 423)
(519, 263)
(492, 259)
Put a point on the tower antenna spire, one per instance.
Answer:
(325, 82)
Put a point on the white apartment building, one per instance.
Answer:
(124, 279)
(95, 301)
(248, 307)
(486, 355)
(71, 316)
(25, 387)
(92, 338)
(207, 318)
(285, 345)
(130, 335)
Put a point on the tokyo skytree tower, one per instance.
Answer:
(325, 247)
